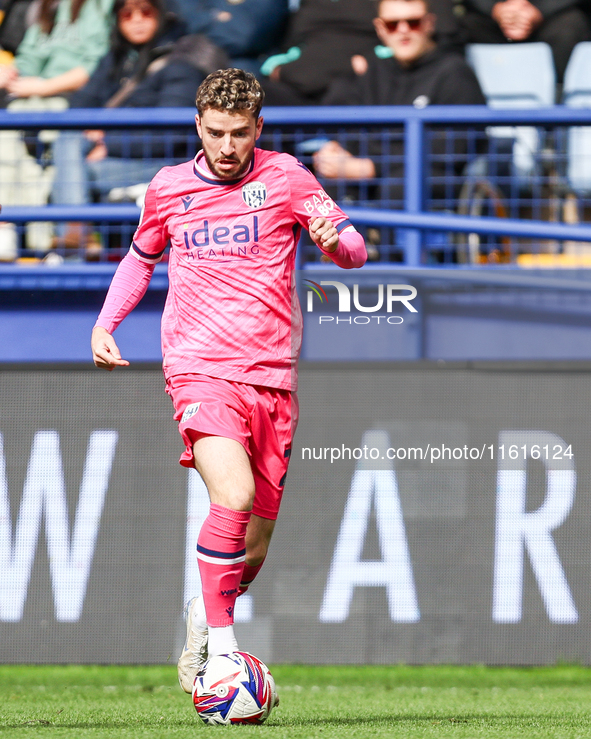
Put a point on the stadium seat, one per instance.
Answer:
(515, 76)
(577, 94)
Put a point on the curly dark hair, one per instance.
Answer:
(231, 90)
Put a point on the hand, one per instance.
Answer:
(324, 234)
(329, 161)
(97, 153)
(517, 19)
(8, 73)
(105, 353)
(333, 161)
(26, 87)
(359, 64)
(97, 135)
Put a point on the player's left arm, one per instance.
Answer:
(346, 249)
(327, 224)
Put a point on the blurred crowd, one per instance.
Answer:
(56, 54)
(299, 48)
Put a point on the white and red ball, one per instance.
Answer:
(234, 688)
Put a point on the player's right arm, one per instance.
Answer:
(129, 284)
(105, 352)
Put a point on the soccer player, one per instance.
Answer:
(231, 332)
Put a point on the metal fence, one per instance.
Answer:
(440, 170)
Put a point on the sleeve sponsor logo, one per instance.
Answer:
(319, 202)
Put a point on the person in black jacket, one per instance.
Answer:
(244, 29)
(321, 38)
(560, 23)
(141, 70)
(418, 73)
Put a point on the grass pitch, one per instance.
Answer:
(326, 702)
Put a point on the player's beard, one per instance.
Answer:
(233, 174)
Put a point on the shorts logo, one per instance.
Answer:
(254, 194)
(190, 411)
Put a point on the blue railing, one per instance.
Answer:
(304, 123)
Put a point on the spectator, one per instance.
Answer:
(57, 55)
(560, 23)
(322, 37)
(142, 69)
(13, 24)
(244, 29)
(419, 73)
(60, 50)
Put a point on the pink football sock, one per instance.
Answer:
(248, 575)
(221, 552)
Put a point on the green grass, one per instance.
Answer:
(325, 702)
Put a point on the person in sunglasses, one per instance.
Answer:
(143, 69)
(415, 71)
(59, 51)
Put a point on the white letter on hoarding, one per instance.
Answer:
(197, 510)
(394, 571)
(44, 489)
(517, 530)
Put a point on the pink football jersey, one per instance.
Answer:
(232, 310)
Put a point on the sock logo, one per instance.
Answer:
(229, 592)
(230, 610)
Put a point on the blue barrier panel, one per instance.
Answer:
(417, 182)
(415, 221)
(467, 314)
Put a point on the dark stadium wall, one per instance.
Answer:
(432, 513)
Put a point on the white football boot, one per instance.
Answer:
(194, 652)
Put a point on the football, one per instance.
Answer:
(234, 688)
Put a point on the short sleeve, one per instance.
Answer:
(150, 238)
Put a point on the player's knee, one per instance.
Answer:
(256, 553)
(240, 503)
(255, 560)
(237, 500)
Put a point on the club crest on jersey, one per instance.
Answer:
(254, 194)
(190, 411)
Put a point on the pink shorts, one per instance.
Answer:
(262, 419)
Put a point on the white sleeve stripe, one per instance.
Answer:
(144, 259)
